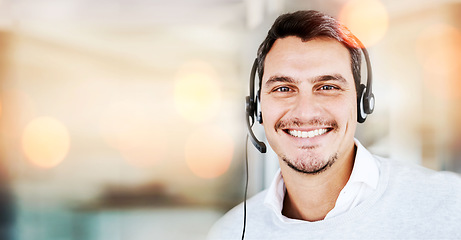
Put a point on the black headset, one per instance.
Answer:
(365, 102)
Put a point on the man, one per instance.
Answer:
(329, 186)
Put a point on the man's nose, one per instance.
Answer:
(306, 106)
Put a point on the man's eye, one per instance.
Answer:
(282, 89)
(327, 87)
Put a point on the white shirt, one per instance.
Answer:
(362, 182)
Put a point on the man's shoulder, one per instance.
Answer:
(255, 201)
(414, 172)
(230, 226)
(411, 178)
(422, 196)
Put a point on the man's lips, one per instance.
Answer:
(306, 129)
(307, 134)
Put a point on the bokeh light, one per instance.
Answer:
(139, 139)
(197, 93)
(368, 20)
(439, 51)
(45, 142)
(209, 152)
(18, 109)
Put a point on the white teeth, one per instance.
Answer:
(303, 134)
(310, 134)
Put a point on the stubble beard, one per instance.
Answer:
(312, 165)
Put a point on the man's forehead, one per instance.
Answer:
(299, 46)
(320, 56)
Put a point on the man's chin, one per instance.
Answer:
(311, 166)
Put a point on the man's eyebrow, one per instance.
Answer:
(321, 78)
(279, 79)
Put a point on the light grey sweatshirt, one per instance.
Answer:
(410, 202)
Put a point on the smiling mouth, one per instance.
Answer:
(308, 134)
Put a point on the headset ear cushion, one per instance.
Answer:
(249, 108)
(369, 104)
(361, 115)
(259, 115)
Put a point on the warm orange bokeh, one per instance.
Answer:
(209, 152)
(18, 110)
(45, 142)
(368, 20)
(197, 94)
(439, 51)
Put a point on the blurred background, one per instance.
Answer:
(124, 119)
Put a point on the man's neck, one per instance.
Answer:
(311, 196)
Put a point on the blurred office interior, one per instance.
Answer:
(124, 119)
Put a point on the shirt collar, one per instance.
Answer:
(365, 170)
(276, 193)
(365, 167)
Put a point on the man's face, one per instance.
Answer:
(308, 102)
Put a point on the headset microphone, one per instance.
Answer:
(252, 111)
